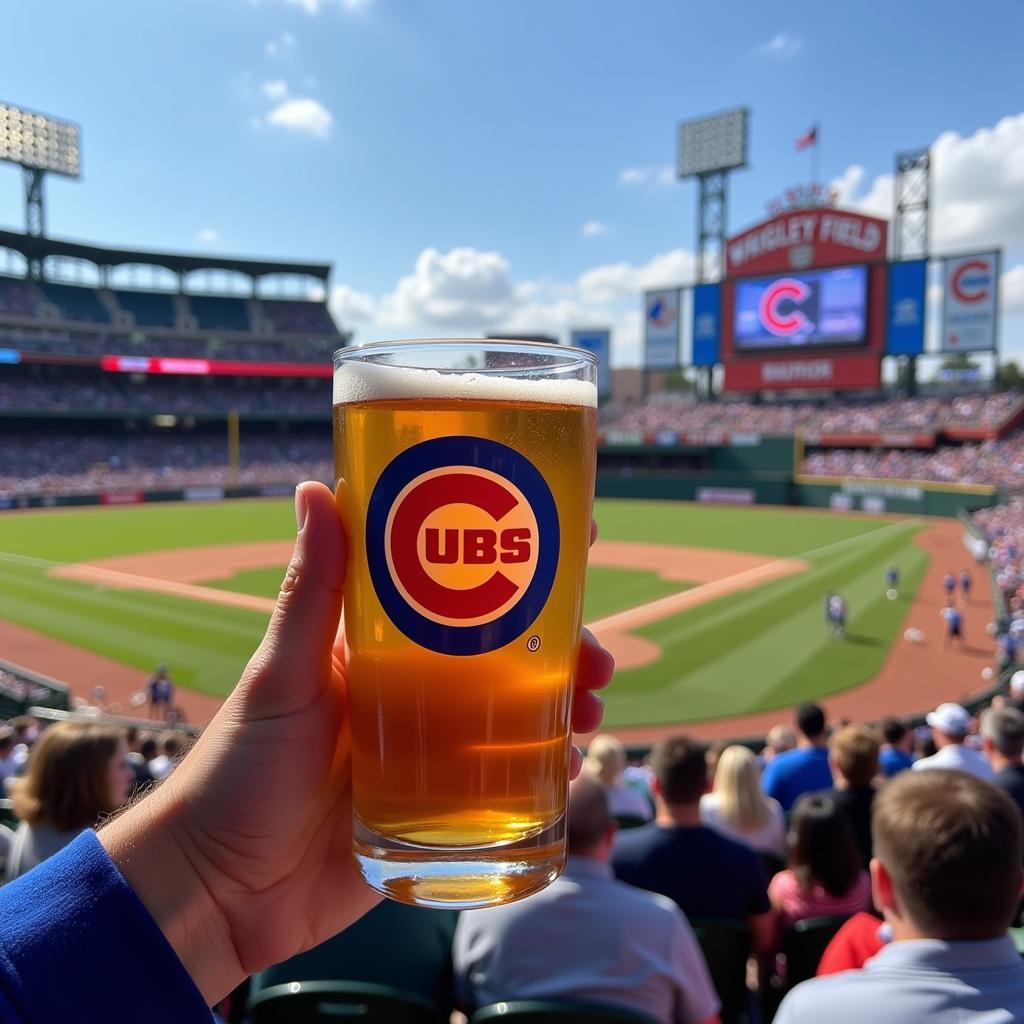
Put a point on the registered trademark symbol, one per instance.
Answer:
(533, 644)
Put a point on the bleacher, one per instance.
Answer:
(150, 309)
(75, 303)
(220, 313)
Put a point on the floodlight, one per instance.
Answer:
(710, 144)
(38, 142)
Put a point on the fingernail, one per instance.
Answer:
(300, 509)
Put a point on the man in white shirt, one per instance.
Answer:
(586, 937)
(950, 725)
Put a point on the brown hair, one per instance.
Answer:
(67, 785)
(679, 766)
(822, 849)
(952, 845)
(855, 750)
(588, 817)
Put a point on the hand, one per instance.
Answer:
(243, 856)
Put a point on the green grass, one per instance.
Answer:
(752, 650)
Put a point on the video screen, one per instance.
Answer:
(812, 308)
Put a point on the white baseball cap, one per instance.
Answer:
(1017, 683)
(950, 719)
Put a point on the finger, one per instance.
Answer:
(587, 711)
(595, 666)
(575, 762)
(305, 621)
(593, 531)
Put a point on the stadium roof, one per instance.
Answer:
(34, 248)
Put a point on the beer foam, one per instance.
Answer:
(357, 381)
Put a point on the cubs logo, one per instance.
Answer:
(778, 309)
(661, 312)
(462, 541)
(971, 281)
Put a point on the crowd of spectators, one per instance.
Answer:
(987, 462)
(709, 420)
(304, 350)
(178, 395)
(1003, 528)
(47, 462)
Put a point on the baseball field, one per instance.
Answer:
(715, 614)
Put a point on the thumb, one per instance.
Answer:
(293, 663)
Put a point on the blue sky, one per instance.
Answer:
(448, 155)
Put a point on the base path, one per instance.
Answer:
(83, 671)
(914, 678)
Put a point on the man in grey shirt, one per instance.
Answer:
(947, 877)
(586, 937)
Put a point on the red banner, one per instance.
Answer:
(122, 498)
(798, 239)
(893, 440)
(817, 371)
(211, 367)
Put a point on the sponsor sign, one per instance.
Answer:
(462, 542)
(873, 503)
(726, 495)
(902, 492)
(797, 239)
(600, 343)
(707, 324)
(905, 308)
(209, 367)
(840, 502)
(661, 329)
(810, 372)
(122, 498)
(969, 302)
(204, 494)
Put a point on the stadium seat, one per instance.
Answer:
(544, 1011)
(7, 815)
(726, 948)
(803, 945)
(310, 1002)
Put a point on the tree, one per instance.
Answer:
(1010, 376)
(958, 361)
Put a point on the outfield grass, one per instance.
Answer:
(747, 651)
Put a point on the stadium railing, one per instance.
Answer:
(22, 689)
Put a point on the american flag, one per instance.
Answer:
(809, 138)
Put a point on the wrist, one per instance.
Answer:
(149, 845)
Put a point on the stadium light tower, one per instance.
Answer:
(709, 148)
(38, 144)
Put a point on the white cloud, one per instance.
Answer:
(285, 41)
(302, 114)
(1011, 289)
(593, 228)
(781, 46)
(977, 187)
(208, 236)
(469, 291)
(276, 89)
(660, 175)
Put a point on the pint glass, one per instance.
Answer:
(465, 479)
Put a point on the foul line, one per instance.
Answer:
(665, 606)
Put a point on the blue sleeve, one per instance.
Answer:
(770, 779)
(76, 944)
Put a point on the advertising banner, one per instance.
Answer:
(969, 302)
(904, 317)
(707, 324)
(661, 329)
(810, 372)
(598, 341)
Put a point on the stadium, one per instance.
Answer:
(780, 513)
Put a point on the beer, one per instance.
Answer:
(467, 501)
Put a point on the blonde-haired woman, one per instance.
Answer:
(606, 762)
(738, 808)
(77, 772)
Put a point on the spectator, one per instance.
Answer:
(141, 753)
(606, 762)
(737, 806)
(947, 876)
(586, 937)
(823, 876)
(780, 738)
(9, 765)
(76, 773)
(805, 769)
(950, 725)
(707, 874)
(1002, 739)
(162, 764)
(895, 755)
(857, 941)
(853, 758)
